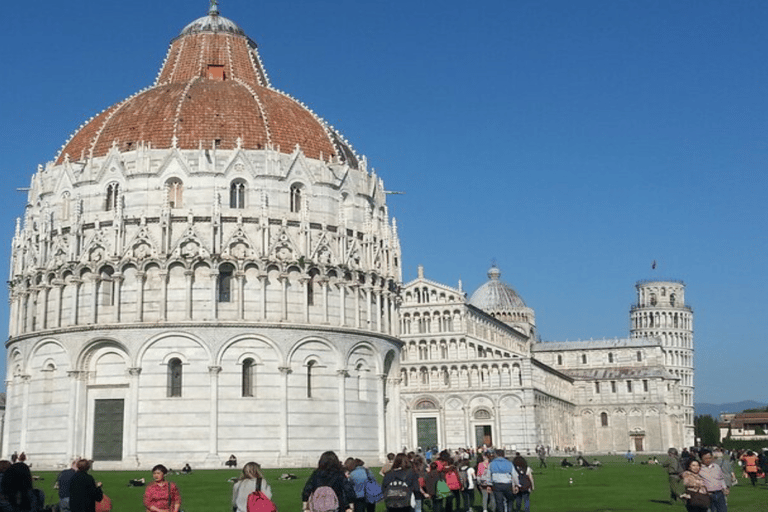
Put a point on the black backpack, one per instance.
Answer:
(397, 494)
(524, 480)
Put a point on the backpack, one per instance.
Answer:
(258, 501)
(372, 491)
(452, 479)
(524, 480)
(398, 494)
(323, 499)
(464, 477)
(442, 489)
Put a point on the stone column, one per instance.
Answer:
(369, 317)
(381, 420)
(132, 411)
(305, 291)
(263, 283)
(140, 275)
(189, 276)
(240, 295)
(468, 441)
(10, 393)
(75, 300)
(24, 411)
(283, 297)
(213, 437)
(342, 303)
(376, 306)
(342, 378)
(59, 295)
(118, 291)
(324, 286)
(46, 294)
(285, 371)
(214, 294)
(72, 414)
(96, 282)
(356, 290)
(163, 295)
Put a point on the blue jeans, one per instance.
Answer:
(523, 501)
(718, 503)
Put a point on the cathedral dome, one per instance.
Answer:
(212, 91)
(496, 295)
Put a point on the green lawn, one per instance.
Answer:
(616, 486)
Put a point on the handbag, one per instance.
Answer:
(699, 499)
(372, 490)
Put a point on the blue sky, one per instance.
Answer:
(572, 142)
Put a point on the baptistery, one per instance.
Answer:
(206, 268)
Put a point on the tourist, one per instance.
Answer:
(62, 485)
(630, 457)
(387, 465)
(18, 495)
(674, 469)
(329, 473)
(403, 479)
(697, 499)
(522, 482)
(714, 480)
(419, 468)
(750, 466)
(84, 491)
(231, 462)
(161, 495)
(725, 465)
(359, 475)
(468, 479)
(251, 480)
(484, 481)
(501, 479)
(432, 480)
(4, 466)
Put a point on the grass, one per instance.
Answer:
(616, 486)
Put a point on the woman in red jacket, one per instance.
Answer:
(750, 465)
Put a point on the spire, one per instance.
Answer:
(214, 9)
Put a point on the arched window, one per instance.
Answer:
(559, 359)
(113, 196)
(639, 356)
(604, 419)
(107, 287)
(249, 377)
(224, 283)
(610, 357)
(583, 358)
(174, 377)
(66, 206)
(237, 194)
(310, 366)
(174, 188)
(672, 299)
(296, 198)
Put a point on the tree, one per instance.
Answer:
(705, 428)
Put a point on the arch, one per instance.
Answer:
(174, 192)
(226, 346)
(296, 197)
(159, 338)
(238, 189)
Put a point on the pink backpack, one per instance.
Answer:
(258, 501)
(323, 499)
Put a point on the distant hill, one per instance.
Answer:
(714, 410)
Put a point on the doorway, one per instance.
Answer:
(108, 429)
(483, 435)
(426, 432)
(638, 443)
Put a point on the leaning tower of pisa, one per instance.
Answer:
(661, 312)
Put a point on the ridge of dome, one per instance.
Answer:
(213, 22)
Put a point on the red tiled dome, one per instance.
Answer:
(212, 89)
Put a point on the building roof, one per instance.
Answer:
(562, 346)
(212, 91)
(618, 373)
(496, 295)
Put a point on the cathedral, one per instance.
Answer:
(210, 256)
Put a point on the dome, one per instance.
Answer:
(212, 91)
(496, 295)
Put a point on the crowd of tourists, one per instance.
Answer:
(703, 477)
(444, 481)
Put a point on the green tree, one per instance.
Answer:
(705, 427)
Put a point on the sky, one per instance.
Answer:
(573, 143)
